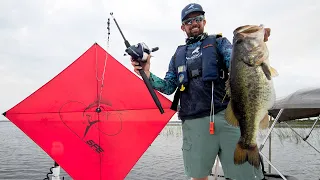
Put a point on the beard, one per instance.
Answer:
(195, 31)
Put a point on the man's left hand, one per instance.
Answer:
(266, 34)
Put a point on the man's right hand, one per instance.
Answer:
(145, 66)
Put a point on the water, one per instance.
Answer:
(22, 159)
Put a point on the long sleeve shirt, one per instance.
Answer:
(168, 85)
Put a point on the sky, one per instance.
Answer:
(40, 38)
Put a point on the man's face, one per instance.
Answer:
(193, 24)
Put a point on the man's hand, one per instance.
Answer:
(266, 34)
(145, 66)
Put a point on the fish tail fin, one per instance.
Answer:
(251, 154)
(240, 154)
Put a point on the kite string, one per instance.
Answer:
(105, 63)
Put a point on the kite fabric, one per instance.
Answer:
(95, 118)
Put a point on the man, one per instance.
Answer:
(198, 71)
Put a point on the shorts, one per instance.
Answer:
(200, 148)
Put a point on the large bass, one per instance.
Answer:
(250, 89)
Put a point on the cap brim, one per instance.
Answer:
(202, 12)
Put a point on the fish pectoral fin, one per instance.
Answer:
(269, 71)
(264, 123)
(230, 117)
(273, 71)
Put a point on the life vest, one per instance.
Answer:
(211, 67)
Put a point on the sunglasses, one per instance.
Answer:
(190, 20)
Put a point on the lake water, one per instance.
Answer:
(22, 159)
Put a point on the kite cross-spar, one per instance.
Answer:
(95, 118)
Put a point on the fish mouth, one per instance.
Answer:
(251, 34)
(247, 29)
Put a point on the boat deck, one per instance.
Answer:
(267, 177)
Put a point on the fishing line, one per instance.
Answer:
(104, 66)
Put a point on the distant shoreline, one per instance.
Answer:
(294, 123)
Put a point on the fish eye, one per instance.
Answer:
(238, 41)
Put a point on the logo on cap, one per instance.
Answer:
(191, 6)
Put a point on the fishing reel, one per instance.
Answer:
(140, 52)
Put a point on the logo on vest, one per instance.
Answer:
(195, 54)
(181, 70)
(181, 77)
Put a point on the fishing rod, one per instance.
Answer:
(139, 53)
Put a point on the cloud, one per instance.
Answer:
(41, 38)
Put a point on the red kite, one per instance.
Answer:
(95, 118)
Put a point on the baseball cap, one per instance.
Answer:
(192, 7)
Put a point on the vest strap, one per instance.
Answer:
(176, 98)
